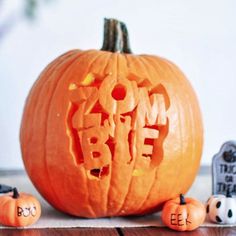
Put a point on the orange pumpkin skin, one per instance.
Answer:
(186, 214)
(90, 139)
(20, 211)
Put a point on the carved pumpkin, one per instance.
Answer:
(107, 133)
(19, 209)
(183, 214)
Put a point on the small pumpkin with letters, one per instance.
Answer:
(19, 209)
(183, 214)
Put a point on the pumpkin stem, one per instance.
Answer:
(15, 193)
(116, 38)
(182, 199)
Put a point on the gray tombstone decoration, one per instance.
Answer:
(224, 169)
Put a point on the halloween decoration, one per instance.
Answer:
(19, 209)
(221, 209)
(108, 133)
(183, 214)
(224, 169)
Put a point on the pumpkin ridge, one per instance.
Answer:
(155, 74)
(106, 57)
(114, 56)
(148, 77)
(17, 221)
(46, 78)
(87, 54)
(106, 64)
(47, 72)
(93, 58)
(69, 115)
(115, 132)
(38, 84)
(100, 61)
(157, 64)
(75, 58)
(120, 209)
(112, 165)
(181, 210)
(9, 208)
(142, 60)
(168, 206)
(156, 172)
(150, 74)
(87, 181)
(193, 131)
(3, 204)
(134, 159)
(154, 64)
(191, 210)
(110, 173)
(192, 119)
(102, 65)
(133, 63)
(179, 109)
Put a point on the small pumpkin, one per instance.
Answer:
(19, 209)
(120, 128)
(221, 209)
(183, 214)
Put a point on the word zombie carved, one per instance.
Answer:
(116, 116)
(224, 169)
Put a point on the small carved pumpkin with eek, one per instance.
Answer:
(183, 214)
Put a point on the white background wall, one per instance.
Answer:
(198, 35)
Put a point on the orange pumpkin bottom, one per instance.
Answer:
(183, 214)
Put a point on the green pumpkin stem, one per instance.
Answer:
(182, 199)
(15, 193)
(116, 38)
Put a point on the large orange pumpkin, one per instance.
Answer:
(107, 133)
